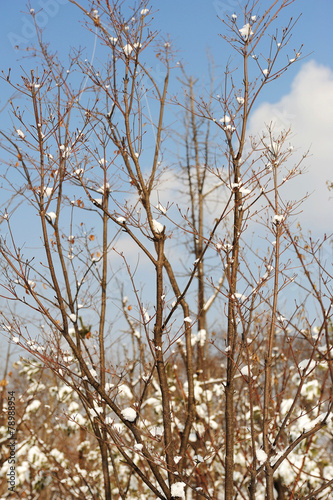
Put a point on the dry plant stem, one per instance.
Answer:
(115, 472)
(150, 460)
(190, 411)
(160, 363)
(39, 119)
(315, 493)
(301, 438)
(199, 243)
(232, 342)
(103, 289)
(159, 130)
(180, 295)
(253, 466)
(102, 368)
(100, 435)
(268, 359)
(139, 472)
(317, 294)
(138, 437)
(232, 278)
(301, 467)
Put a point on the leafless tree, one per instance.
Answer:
(187, 378)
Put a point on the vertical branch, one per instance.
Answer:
(198, 238)
(190, 410)
(102, 368)
(232, 306)
(160, 363)
(271, 332)
(232, 340)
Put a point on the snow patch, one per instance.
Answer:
(129, 414)
(178, 490)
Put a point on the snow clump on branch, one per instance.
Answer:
(246, 31)
(129, 414)
(178, 490)
(158, 227)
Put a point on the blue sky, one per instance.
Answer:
(194, 27)
(302, 98)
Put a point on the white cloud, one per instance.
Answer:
(308, 110)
